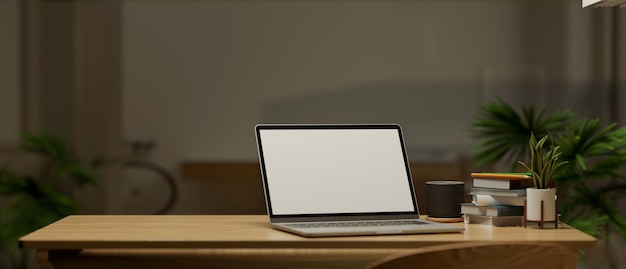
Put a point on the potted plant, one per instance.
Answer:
(589, 185)
(37, 198)
(541, 199)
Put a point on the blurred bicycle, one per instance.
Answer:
(142, 178)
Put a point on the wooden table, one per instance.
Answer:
(229, 241)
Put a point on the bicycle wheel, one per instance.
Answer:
(153, 190)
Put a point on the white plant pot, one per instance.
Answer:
(534, 197)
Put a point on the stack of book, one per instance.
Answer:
(497, 199)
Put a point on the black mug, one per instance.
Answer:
(444, 198)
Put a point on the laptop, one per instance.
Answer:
(339, 180)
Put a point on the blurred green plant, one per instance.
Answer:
(34, 201)
(504, 133)
(591, 180)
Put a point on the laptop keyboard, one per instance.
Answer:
(356, 223)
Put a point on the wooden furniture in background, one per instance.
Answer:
(244, 241)
(221, 170)
(249, 173)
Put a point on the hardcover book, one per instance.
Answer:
(502, 183)
(497, 192)
(485, 200)
(494, 221)
(493, 210)
(502, 175)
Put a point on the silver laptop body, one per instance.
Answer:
(339, 180)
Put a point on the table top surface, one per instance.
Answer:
(254, 231)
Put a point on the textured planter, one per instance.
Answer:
(534, 197)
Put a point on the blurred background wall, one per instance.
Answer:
(9, 74)
(196, 76)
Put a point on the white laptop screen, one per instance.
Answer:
(335, 171)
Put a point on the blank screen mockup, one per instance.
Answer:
(334, 171)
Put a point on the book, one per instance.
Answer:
(472, 209)
(505, 181)
(494, 221)
(604, 3)
(485, 200)
(497, 192)
(502, 183)
(492, 210)
(501, 175)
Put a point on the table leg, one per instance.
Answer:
(42, 259)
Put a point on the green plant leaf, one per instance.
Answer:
(591, 222)
(11, 182)
(45, 144)
(503, 133)
(34, 202)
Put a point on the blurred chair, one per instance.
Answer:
(482, 255)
